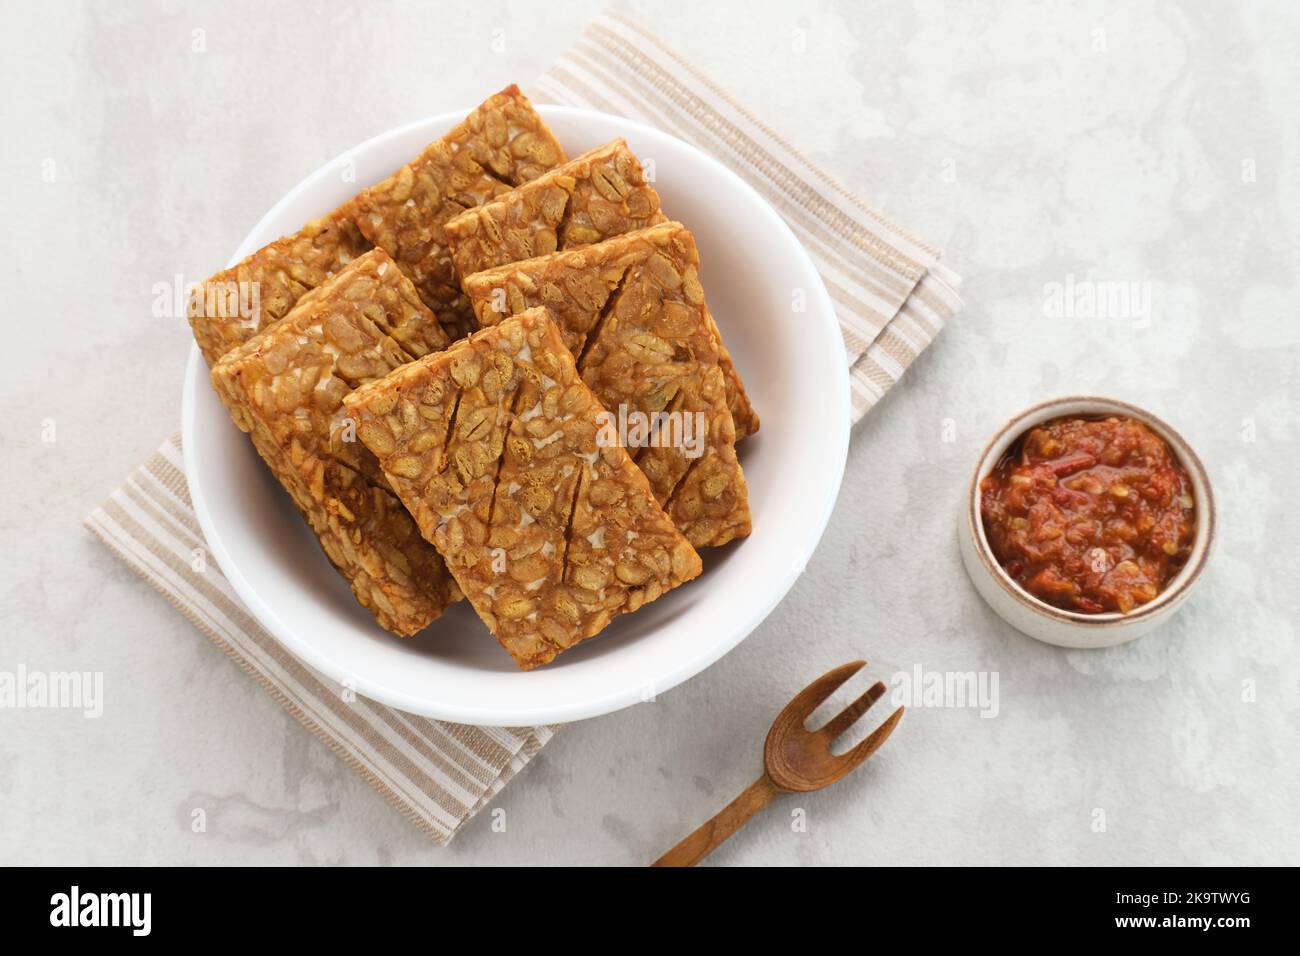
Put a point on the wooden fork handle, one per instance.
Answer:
(728, 820)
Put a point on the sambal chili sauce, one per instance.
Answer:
(1090, 515)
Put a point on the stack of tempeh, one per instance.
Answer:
(500, 144)
(561, 464)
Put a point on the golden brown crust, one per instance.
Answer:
(576, 283)
(502, 143)
(600, 194)
(499, 145)
(632, 310)
(373, 286)
(285, 388)
(232, 306)
(494, 446)
(743, 414)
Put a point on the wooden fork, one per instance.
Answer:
(795, 760)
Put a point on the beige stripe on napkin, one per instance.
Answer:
(437, 774)
(891, 294)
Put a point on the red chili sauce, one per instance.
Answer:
(1090, 515)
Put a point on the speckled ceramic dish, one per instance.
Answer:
(1041, 620)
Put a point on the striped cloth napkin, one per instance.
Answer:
(437, 774)
(890, 292)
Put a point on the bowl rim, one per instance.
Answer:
(1202, 544)
(595, 704)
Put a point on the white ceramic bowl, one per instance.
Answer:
(794, 370)
(1041, 620)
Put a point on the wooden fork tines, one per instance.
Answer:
(795, 760)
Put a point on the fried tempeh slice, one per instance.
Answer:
(494, 446)
(347, 332)
(576, 285)
(232, 306)
(601, 194)
(655, 356)
(285, 388)
(373, 286)
(632, 311)
(499, 145)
